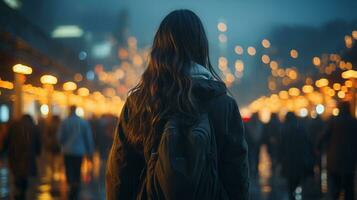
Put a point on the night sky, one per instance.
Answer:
(248, 23)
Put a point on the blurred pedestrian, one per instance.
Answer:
(254, 128)
(23, 146)
(272, 138)
(76, 139)
(341, 149)
(296, 153)
(180, 135)
(52, 146)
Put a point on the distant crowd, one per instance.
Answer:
(297, 148)
(61, 144)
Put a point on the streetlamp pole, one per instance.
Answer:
(48, 82)
(69, 87)
(19, 71)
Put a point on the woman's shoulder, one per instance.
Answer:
(225, 100)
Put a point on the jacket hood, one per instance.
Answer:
(199, 71)
(206, 89)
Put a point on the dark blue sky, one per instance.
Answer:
(248, 21)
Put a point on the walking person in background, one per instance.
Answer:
(23, 144)
(341, 149)
(180, 136)
(254, 129)
(76, 139)
(52, 146)
(272, 138)
(296, 153)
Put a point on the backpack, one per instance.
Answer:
(184, 164)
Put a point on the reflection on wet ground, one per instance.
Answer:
(52, 185)
(271, 186)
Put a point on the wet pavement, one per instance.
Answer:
(52, 185)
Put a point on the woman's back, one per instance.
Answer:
(179, 81)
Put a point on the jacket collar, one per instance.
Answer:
(199, 71)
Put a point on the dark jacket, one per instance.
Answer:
(341, 149)
(296, 154)
(227, 125)
(23, 146)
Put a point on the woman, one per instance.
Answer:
(178, 80)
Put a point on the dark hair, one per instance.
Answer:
(344, 107)
(72, 110)
(165, 86)
(290, 118)
(27, 121)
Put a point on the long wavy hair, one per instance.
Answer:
(166, 85)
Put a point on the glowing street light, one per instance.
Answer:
(294, 92)
(294, 53)
(83, 92)
(22, 69)
(251, 51)
(222, 27)
(48, 80)
(307, 89)
(322, 83)
(266, 43)
(69, 86)
(349, 74)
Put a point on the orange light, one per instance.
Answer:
(316, 61)
(78, 77)
(307, 89)
(69, 86)
(239, 65)
(349, 74)
(292, 74)
(83, 92)
(265, 59)
(229, 78)
(336, 86)
(294, 53)
(341, 94)
(281, 72)
(273, 65)
(251, 51)
(354, 35)
(335, 112)
(48, 79)
(283, 94)
(239, 50)
(6, 84)
(348, 41)
(222, 27)
(322, 82)
(294, 92)
(22, 69)
(223, 63)
(348, 83)
(266, 43)
(331, 92)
